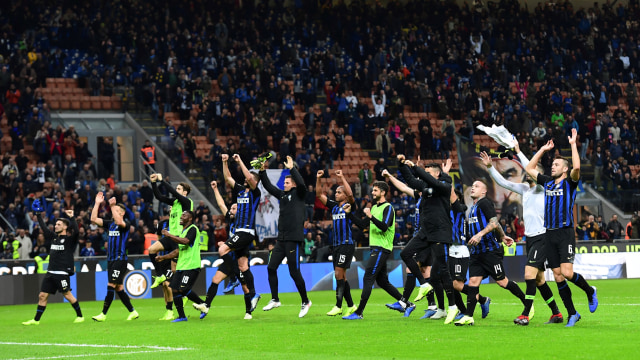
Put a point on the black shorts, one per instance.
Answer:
(53, 283)
(291, 250)
(183, 280)
(343, 255)
(164, 268)
(240, 242)
(458, 268)
(423, 257)
(560, 246)
(168, 244)
(116, 271)
(487, 264)
(536, 254)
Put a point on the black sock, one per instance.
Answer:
(415, 270)
(515, 290)
(273, 283)
(529, 296)
(125, 300)
(339, 292)
(482, 299)
(169, 305)
(409, 285)
(194, 297)
(211, 293)
(39, 312)
(581, 282)
(565, 295)
(235, 270)
(459, 303)
(472, 291)
(431, 300)
(111, 293)
(300, 285)
(547, 295)
(247, 302)
(347, 294)
(439, 292)
(152, 257)
(177, 299)
(76, 307)
(248, 280)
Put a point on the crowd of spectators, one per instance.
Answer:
(540, 72)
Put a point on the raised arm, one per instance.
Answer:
(495, 175)
(440, 186)
(319, 193)
(155, 178)
(575, 156)
(347, 187)
(226, 173)
(72, 223)
(184, 201)
(45, 229)
(96, 208)
(531, 166)
(398, 184)
(301, 188)
(411, 180)
(219, 199)
(264, 178)
(247, 174)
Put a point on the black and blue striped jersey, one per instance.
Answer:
(458, 216)
(117, 245)
(341, 233)
(558, 201)
(416, 225)
(479, 216)
(248, 201)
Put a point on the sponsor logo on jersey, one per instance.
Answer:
(473, 220)
(339, 216)
(57, 247)
(243, 200)
(558, 192)
(114, 233)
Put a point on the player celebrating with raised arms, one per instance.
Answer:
(560, 194)
(179, 203)
(247, 200)
(64, 240)
(290, 233)
(343, 245)
(116, 254)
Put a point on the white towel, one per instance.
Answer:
(501, 135)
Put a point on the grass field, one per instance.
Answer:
(612, 332)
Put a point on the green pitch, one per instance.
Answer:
(611, 332)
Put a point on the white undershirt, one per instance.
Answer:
(532, 200)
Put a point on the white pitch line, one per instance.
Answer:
(86, 355)
(162, 348)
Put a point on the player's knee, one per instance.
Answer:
(558, 277)
(243, 267)
(42, 296)
(503, 283)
